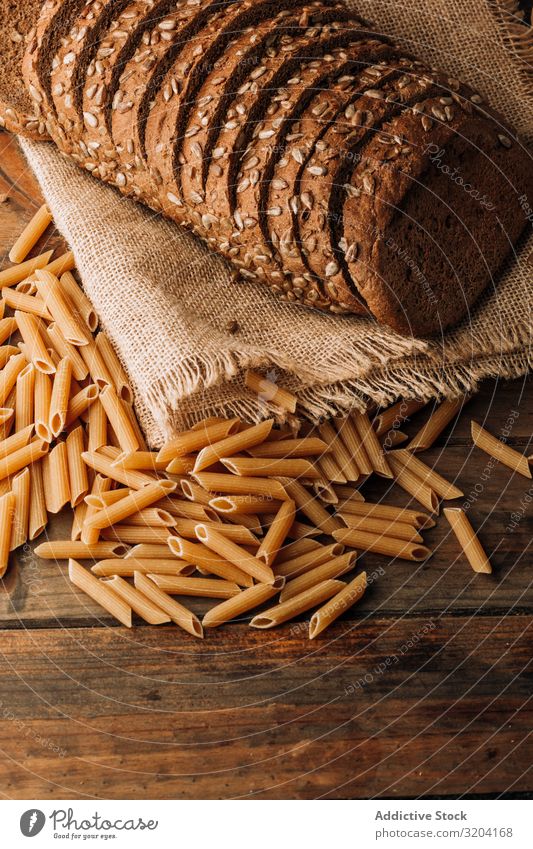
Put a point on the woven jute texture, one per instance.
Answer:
(186, 333)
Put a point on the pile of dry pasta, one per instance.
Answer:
(251, 516)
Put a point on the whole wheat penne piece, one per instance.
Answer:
(205, 559)
(27, 287)
(427, 475)
(129, 505)
(371, 444)
(138, 602)
(65, 349)
(19, 272)
(194, 440)
(7, 509)
(95, 363)
(309, 560)
(127, 567)
(236, 533)
(330, 469)
(31, 234)
(179, 614)
(389, 546)
(228, 550)
(25, 303)
(334, 568)
(235, 485)
(149, 551)
(310, 506)
(115, 368)
(56, 478)
(96, 426)
(78, 519)
(24, 399)
(16, 441)
(392, 438)
(63, 263)
(79, 403)
(270, 392)
(416, 518)
(386, 527)
(346, 463)
(133, 534)
(324, 491)
(294, 549)
(194, 492)
(118, 419)
(21, 515)
(99, 592)
(241, 441)
(101, 485)
(277, 533)
(140, 460)
(63, 549)
(246, 600)
(283, 449)
(24, 456)
(8, 327)
(196, 587)
(105, 499)
(438, 420)
(130, 414)
(263, 468)
(9, 374)
(104, 466)
(36, 349)
(394, 417)
(78, 480)
(287, 610)
(350, 436)
(242, 504)
(347, 495)
(468, 539)
(80, 302)
(151, 517)
(59, 402)
(49, 288)
(184, 509)
(180, 465)
(336, 606)
(38, 518)
(412, 484)
(499, 450)
(6, 415)
(6, 352)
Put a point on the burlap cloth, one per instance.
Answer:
(167, 303)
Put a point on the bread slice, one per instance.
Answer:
(138, 86)
(17, 109)
(269, 136)
(55, 20)
(434, 211)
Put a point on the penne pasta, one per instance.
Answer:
(270, 392)
(241, 441)
(24, 456)
(130, 414)
(393, 438)
(468, 540)
(412, 484)
(96, 427)
(129, 505)
(49, 288)
(198, 587)
(31, 234)
(228, 550)
(325, 492)
(80, 511)
(64, 549)
(80, 303)
(236, 533)
(310, 506)
(21, 515)
(127, 567)
(99, 592)
(389, 546)
(115, 368)
(38, 518)
(287, 610)
(438, 420)
(65, 349)
(347, 494)
(79, 403)
(104, 499)
(95, 363)
(56, 478)
(25, 303)
(140, 460)
(190, 510)
(6, 352)
(263, 468)
(18, 440)
(308, 560)
(374, 450)
(35, 347)
(202, 557)
(19, 272)
(277, 533)
(183, 617)
(101, 485)
(103, 465)
(152, 517)
(133, 534)
(59, 401)
(9, 374)
(294, 549)
(245, 601)
(427, 475)
(24, 399)
(235, 485)
(7, 509)
(8, 327)
(334, 568)
(350, 436)
(417, 518)
(77, 470)
(346, 463)
(336, 606)
(500, 451)
(27, 287)
(386, 527)
(180, 465)
(310, 446)
(194, 440)
(63, 263)
(118, 419)
(196, 493)
(138, 602)
(329, 469)
(394, 417)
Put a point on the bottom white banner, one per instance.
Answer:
(264, 824)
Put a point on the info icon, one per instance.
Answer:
(32, 822)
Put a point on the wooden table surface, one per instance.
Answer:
(424, 690)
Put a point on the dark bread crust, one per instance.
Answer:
(427, 241)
